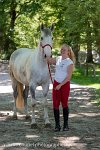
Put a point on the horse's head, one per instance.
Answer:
(46, 40)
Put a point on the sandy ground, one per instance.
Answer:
(84, 121)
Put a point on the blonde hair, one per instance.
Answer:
(71, 53)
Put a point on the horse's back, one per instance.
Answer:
(20, 53)
(18, 63)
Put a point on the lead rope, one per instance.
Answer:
(50, 73)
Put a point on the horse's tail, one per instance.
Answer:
(20, 99)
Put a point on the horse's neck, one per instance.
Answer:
(39, 55)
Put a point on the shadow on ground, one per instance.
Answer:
(84, 122)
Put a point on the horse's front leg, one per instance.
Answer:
(45, 103)
(32, 91)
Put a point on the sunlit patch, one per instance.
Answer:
(90, 114)
(32, 136)
(6, 89)
(11, 145)
(6, 113)
(40, 87)
(70, 141)
(74, 115)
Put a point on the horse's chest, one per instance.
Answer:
(42, 76)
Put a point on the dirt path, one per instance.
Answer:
(84, 122)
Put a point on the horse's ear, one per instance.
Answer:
(52, 27)
(42, 26)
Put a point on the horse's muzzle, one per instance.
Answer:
(45, 56)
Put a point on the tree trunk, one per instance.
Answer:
(96, 26)
(76, 49)
(75, 36)
(89, 45)
(9, 37)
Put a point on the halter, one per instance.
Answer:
(43, 46)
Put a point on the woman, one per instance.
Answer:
(61, 86)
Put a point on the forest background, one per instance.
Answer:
(77, 23)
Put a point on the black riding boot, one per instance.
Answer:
(65, 116)
(57, 120)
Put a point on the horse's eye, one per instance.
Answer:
(52, 38)
(41, 38)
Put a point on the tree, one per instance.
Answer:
(76, 23)
(13, 9)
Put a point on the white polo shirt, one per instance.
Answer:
(61, 68)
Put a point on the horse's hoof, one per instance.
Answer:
(34, 126)
(14, 117)
(47, 125)
(27, 117)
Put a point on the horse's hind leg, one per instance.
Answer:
(15, 94)
(18, 96)
(25, 95)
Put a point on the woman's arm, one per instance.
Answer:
(51, 60)
(69, 71)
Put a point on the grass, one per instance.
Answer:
(93, 82)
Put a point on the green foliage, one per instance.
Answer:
(20, 21)
(26, 32)
(55, 52)
(92, 82)
(80, 78)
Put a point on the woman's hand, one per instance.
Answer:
(58, 87)
(51, 60)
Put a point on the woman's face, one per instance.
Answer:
(64, 51)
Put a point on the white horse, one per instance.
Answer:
(29, 69)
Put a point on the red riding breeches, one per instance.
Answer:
(60, 95)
